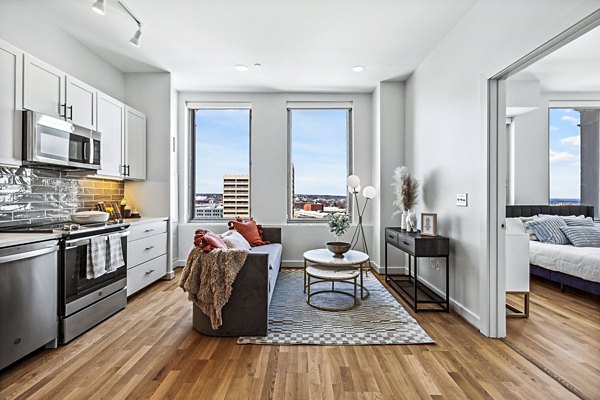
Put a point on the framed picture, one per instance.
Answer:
(428, 224)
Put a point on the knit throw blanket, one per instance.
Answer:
(208, 279)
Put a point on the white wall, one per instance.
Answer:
(531, 179)
(446, 131)
(269, 165)
(32, 33)
(388, 153)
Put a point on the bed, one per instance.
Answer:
(577, 267)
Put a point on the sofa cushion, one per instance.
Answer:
(274, 252)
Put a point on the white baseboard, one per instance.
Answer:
(455, 306)
(178, 263)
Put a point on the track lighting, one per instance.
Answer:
(99, 7)
(135, 40)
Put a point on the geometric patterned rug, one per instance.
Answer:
(377, 320)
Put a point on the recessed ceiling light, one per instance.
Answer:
(241, 68)
(99, 7)
(358, 68)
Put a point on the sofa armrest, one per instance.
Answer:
(272, 234)
(246, 312)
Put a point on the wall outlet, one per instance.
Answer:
(462, 199)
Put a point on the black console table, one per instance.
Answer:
(408, 286)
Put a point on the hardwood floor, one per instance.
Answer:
(562, 333)
(151, 351)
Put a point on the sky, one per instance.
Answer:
(222, 147)
(565, 153)
(319, 151)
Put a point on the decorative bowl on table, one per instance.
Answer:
(338, 248)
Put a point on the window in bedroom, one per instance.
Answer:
(564, 156)
(319, 160)
(574, 155)
(221, 163)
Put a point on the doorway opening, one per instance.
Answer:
(544, 163)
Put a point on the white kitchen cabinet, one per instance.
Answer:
(135, 144)
(111, 123)
(81, 103)
(146, 253)
(11, 96)
(43, 87)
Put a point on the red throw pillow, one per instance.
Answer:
(250, 231)
(208, 241)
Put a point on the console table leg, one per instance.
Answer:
(447, 286)
(409, 267)
(416, 282)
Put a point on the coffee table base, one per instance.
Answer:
(332, 290)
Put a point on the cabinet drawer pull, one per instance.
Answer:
(390, 236)
(406, 243)
(70, 117)
(149, 272)
(148, 230)
(149, 248)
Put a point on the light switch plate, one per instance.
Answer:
(461, 199)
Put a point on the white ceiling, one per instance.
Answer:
(574, 67)
(303, 45)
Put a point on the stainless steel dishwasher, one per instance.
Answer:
(28, 299)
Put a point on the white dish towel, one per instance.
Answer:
(115, 253)
(96, 257)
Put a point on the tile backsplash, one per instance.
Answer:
(32, 195)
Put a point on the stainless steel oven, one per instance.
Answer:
(53, 141)
(85, 302)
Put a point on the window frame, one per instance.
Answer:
(193, 107)
(349, 156)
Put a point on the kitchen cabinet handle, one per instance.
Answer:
(128, 169)
(149, 272)
(64, 108)
(70, 108)
(406, 243)
(149, 248)
(148, 230)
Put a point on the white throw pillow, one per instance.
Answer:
(236, 241)
(226, 233)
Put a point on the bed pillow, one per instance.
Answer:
(547, 230)
(580, 221)
(525, 220)
(582, 236)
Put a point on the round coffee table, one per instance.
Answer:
(331, 274)
(325, 258)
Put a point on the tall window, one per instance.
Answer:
(221, 163)
(319, 152)
(564, 138)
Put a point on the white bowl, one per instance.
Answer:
(89, 217)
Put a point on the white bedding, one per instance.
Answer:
(583, 262)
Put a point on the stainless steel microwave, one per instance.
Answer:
(53, 141)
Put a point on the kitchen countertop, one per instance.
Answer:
(144, 220)
(8, 239)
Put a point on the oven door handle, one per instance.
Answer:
(72, 244)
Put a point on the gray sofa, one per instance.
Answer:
(247, 312)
